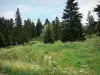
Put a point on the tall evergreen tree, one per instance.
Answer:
(72, 27)
(30, 28)
(56, 28)
(97, 9)
(39, 27)
(91, 24)
(34, 30)
(47, 34)
(18, 29)
(18, 20)
(6, 31)
(47, 22)
(10, 36)
(2, 40)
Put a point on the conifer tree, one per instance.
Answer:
(39, 27)
(72, 27)
(91, 24)
(56, 29)
(47, 22)
(47, 34)
(30, 28)
(18, 29)
(34, 30)
(97, 9)
(18, 20)
(2, 40)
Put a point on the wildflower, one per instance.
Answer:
(45, 57)
(69, 73)
(65, 68)
(51, 61)
(64, 71)
(37, 65)
(54, 68)
(50, 57)
(74, 71)
(86, 65)
(82, 70)
(82, 65)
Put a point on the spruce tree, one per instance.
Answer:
(2, 40)
(47, 22)
(18, 20)
(4, 32)
(18, 29)
(28, 28)
(47, 34)
(91, 24)
(72, 27)
(56, 29)
(10, 27)
(97, 9)
(39, 27)
(34, 30)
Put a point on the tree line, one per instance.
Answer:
(70, 29)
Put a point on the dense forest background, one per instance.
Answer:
(69, 29)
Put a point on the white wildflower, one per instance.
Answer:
(37, 65)
(55, 68)
(86, 65)
(82, 70)
(50, 57)
(82, 65)
(69, 73)
(51, 61)
(45, 57)
(64, 71)
(65, 68)
(74, 71)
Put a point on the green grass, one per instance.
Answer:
(37, 58)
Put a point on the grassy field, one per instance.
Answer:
(36, 58)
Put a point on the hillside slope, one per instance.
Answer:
(36, 58)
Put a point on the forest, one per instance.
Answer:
(67, 47)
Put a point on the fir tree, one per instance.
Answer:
(91, 24)
(47, 34)
(34, 30)
(18, 29)
(39, 27)
(97, 9)
(30, 28)
(56, 28)
(47, 22)
(72, 27)
(18, 20)
(2, 40)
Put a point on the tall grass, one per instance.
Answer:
(37, 58)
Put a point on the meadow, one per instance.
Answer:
(37, 58)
